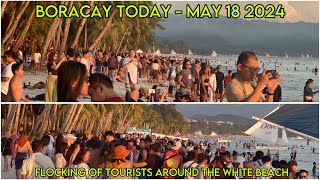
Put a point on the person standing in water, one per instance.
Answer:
(307, 92)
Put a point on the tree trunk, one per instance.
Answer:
(105, 29)
(20, 122)
(23, 34)
(83, 22)
(109, 120)
(8, 126)
(138, 31)
(85, 36)
(50, 34)
(67, 117)
(12, 29)
(124, 35)
(54, 116)
(80, 124)
(65, 32)
(128, 124)
(40, 119)
(15, 125)
(3, 7)
(75, 119)
(57, 39)
(13, 15)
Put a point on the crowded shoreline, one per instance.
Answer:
(145, 150)
(141, 77)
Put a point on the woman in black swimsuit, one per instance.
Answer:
(204, 85)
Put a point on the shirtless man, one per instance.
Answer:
(21, 148)
(15, 92)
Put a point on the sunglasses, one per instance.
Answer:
(252, 70)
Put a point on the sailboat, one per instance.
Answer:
(302, 55)
(286, 56)
(214, 54)
(308, 56)
(299, 119)
(157, 53)
(190, 53)
(268, 133)
(172, 53)
(267, 55)
(213, 134)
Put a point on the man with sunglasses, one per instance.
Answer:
(241, 90)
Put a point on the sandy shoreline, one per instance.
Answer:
(119, 87)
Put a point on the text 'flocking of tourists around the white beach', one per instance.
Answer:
(249, 11)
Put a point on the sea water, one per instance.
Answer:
(305, 156)
(293, 81)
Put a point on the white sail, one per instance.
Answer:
(213, 134)
(214, 54)
(190, 53)
(139, 51)
(308, 56)
(264, 131)
(302, 55)
(286, 55)
(284, 137)
(267, 55)
(172, 53)
(157, 53)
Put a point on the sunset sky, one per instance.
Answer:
(307, 11)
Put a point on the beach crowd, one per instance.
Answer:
(92, 75)
(122, 151)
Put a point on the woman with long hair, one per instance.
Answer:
(72, 153)
(72, 81)
(51, 83)
(60, 158)
(81, 161)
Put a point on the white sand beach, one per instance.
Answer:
(119, 87)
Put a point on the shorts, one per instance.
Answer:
(19, 159)
(219, 89)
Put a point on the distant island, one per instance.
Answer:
(232, 36)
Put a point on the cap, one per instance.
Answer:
(70, 136)
(177, 145)
(120, 152)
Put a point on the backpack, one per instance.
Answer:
(113, 62)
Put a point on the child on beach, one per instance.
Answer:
(15, 92)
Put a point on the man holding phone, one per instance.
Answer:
(241, 90)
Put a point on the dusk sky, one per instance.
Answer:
(247, 111)
(307, 11)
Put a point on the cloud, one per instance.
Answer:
(307, 11)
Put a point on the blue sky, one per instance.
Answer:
(307, 11)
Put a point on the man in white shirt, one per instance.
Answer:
(239, 159)
(266, 160)
(191, 163)
(36, 160)
(7, 73)
(132, 69)
(86, 60)
(51, 144)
